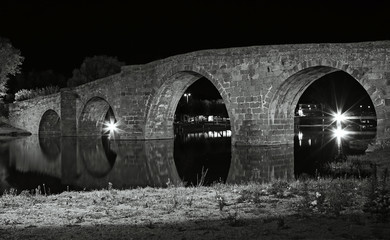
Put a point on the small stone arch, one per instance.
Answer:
(50, 124)
(93, 115)
(162, 107)
(295, 81)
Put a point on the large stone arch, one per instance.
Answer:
(91, 119)
(50, 124)
(294, 83)
(162, 107)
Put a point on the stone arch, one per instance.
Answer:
(296, 81)
(162, 107)
(92, 117)
(50, 124)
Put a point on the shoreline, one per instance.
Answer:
(307, 209)
(6, 130)
(320, 208)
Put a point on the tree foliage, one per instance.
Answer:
(36, 79)
(25, 94)
(10, 61)
(94, 68)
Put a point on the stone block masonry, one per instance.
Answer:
(27, 114)
(260, 87)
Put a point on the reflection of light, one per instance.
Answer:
(339, 133)
(339, 117)
(300, 136)
(210, 134)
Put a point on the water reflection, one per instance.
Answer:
(90, 162)
(261, 163)
(85, 163)
(314, 148)
(207, 134)
(50, 146)
(96, 155)
(202, 159)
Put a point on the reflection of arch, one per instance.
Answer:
(160, 164)
(286, 97)
(159, 122)
(50, 123)
(97, 156)
(92, 117)
(261, 164)
(50, 146)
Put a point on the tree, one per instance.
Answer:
(10, 61)
(94, 68)
(36, 79)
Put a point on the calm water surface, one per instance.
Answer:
(92, 162)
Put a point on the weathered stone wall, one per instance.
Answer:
(27, 114)
(68, 112)
(259, 85)
(124, 93)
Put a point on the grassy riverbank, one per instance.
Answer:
(306, 209)
(322, 208)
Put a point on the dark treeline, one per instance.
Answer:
(30, 84)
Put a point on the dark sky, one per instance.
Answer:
(59, 34)
(337, 90)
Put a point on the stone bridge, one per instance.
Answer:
(260, 86)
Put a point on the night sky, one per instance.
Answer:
(337, 91)
(59, 34)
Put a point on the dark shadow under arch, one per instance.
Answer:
(50, 124)
(282, 106)
(315, 144)
(162, 107)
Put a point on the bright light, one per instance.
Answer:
(187, 95)
(300, 136)
(111, 126)
(339, 133)
(339, 117)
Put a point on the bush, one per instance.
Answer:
(378, 196)
(94, 68)
(25, 94)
